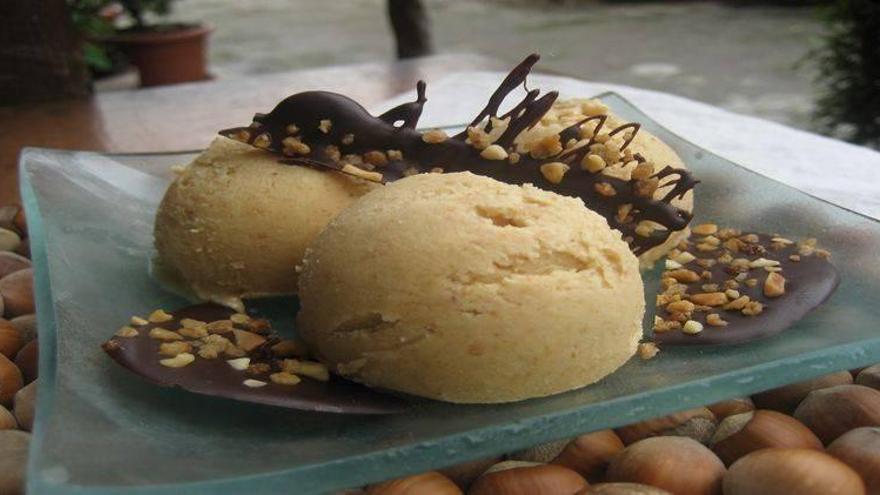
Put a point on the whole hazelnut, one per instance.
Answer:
(527, 478)
(9, 240)
(23, 406)
(698, 423)
(7, 216)
(622, 489)
(542, 453)
(430, 483)
(27, 361)
(13, 460)
(10, 339)
(745, 433)
(20, 223)
(831, 412)
(869, 377)
(786, 399)
(17, 290)
(26, 326)
(11, 262)
(10, 381)
(7, 420)
(860, 450)
(730, 407)
(788, 471)
(590, 454)
(465, 473)
(679, 465)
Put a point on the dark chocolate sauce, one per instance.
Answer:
(353, 131)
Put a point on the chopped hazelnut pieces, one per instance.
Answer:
(293, 146)
(605, 189)
(709, 299)
(311, 369)
(683, 275)
(642, 171)
(434, 136)
(494, 152)
(774, 285)
(646, 187)
(348, 139)
(715, 320)
(190, 323)
(376, 158)
(692, 327)
(240, 318)
(753, 308)
(127, 332)
(738, 303)
(194, 332)
(513, 158)
(292, 129)
(705, 229)
(247, 341)
(363, 174)
(593, 163)
(138, 321)
(648, 350)
(284, 378)
(289, 348)
(174, 348)
(546, 147)
(394, 155)
(762, 262)
(262, 141)
(163, 334)
(671, 264)
(159, 316)
(239, 364)
(219, 326)
(325, 125)
(680, 307)
(178, 361)
(554, 171)
(250, 382)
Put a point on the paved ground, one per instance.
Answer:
(742, 58)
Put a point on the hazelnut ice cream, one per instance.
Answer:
(460, 288)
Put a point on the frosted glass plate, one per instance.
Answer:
(102, 430)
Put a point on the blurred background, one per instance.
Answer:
(809, 64)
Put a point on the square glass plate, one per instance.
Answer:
(102, 430)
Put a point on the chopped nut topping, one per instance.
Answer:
(738, 303)
(709, 299)
(705, 229)
(289, 348)
(159, 316)
(293, 146)
(250, 382)
(178, 361)
(648, 350)
(174, 348)
(247, 341)
(241, 135)
(513, 158)
(762, 262)
(593, 163)
(435, 136)
(715, 320)
(494, 152)
(753, 308)
(284, 378)
(680, 307)
(325, 125)
(645, 228)
(258, 368)
(311, 369)
(661, 325)
(127, 332)
(683, 275)
(348, 139)
(292, 129)
(554, 171)
(363, 174)
(709, 287)
(240, 318)
(732, 294)
(671, 264)
(794, 258)
(546, 147)
(605, 189)
(394, 155)
(194, 332)
(645, 188)
(692, 327)
(239, 364)
(642, 171)
(162, 334)
(376, 158)
(750, 238)
(190, 323)
(705, 247)
(774, 286)
(262, 141)
(751, 282)
(138, 321)
(333, 153)
(623, 212)
(685, 258)
(436, 170)
(220, 326)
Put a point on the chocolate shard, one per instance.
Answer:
(328, 130)
(139, 353)
(737, 287)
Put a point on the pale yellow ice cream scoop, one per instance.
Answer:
(460, 288)
(235, 222)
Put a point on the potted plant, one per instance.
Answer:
(163, 52)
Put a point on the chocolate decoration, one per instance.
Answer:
(326, 122)
(809, 282)
(215, 377)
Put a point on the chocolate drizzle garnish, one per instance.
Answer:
(328, 130)
(139, 353)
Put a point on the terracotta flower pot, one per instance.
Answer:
(167, 56)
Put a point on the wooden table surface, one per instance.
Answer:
(187, 116)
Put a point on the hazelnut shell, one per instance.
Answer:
(730, 407)
(13, 460)
(860, 450)
(465, 473)
(7, 420)
(679, 465)
(10, 381)
(698, 423)
(17, 290)
(831, 412)
(526, 478)
(590, 454)
(10, 339)
(869, 377)
(430, 483)
(12, 262)
(24, 406)
(788, 471)
(742, 434)
(622, 489)
(786, 399)
(27, 361)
